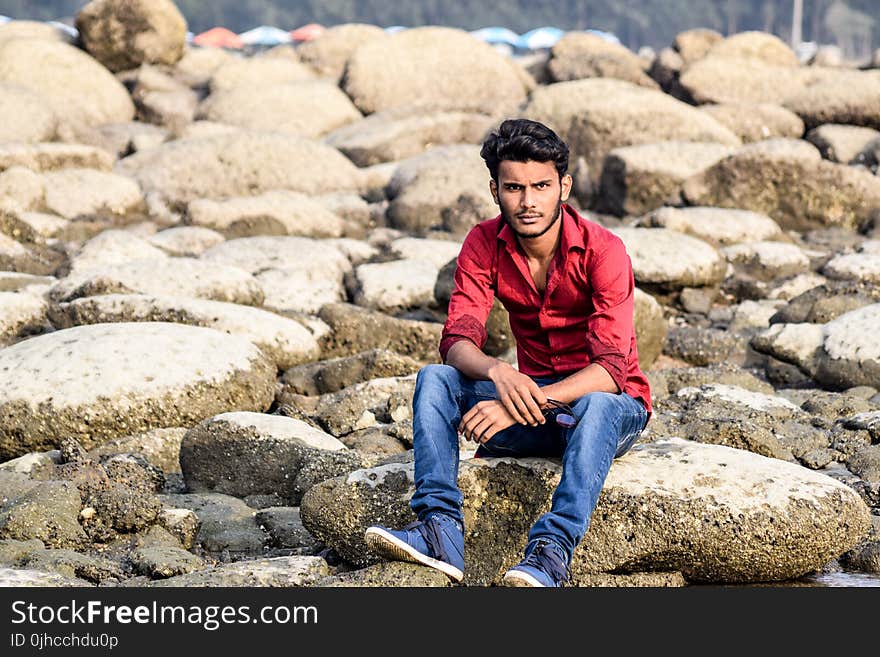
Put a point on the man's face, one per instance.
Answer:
(530, 195)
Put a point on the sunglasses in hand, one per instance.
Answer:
(561, 412)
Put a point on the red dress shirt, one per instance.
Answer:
(584, 316)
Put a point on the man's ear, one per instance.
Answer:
(565, 186)
(493, 189)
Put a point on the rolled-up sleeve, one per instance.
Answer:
(472, 296)
(610, 328)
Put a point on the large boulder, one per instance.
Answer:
(851, 355)
(761, 46)
(443, 68)
(240, 164)
(284, 341)
(186, 277)
(52, 156)
(245, 454)
(86, 193)
(395, 285)
(272, 213)
(329, 53)
(848, 97)
(404, 132)
(20, 314)
(718, 226)
(757, 519)
(261, 71)
(637, 179)
(24, 116)
(650, 328)
(123, 34)
(19, 29)
(756, 121)
(579, 55)
(595, 116)
(789, 181)
(334, 374)
(309, 109)
(276, 572)
(842, 143)
(694, 44)
(74, 85)
(670, 260)
(95, 383)
(295, 273)
(355, 329)
(446, 188)
(716, 79)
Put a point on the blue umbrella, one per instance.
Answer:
(265, 35)
(497, 35)
(393, 29)
(540, 37)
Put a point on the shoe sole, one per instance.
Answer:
(519, 578)
(392, 547)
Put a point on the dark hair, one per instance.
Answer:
(522, 140)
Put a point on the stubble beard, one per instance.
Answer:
(530, 236)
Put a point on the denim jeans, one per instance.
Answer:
(608, 426)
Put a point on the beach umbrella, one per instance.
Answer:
(540, 37)
(4, 19)
(265, 35)
(307, 32)
(497, 35)
(218, 37)
(393, 29)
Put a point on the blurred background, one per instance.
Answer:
(851, 25)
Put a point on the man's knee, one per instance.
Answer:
(437, 374)
(597, 404)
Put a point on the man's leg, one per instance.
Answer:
(442, 396)
(608, 425)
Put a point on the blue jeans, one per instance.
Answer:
(609, 424)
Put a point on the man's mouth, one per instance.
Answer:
(528, 217)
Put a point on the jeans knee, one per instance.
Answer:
(596, 403)
(435, 373)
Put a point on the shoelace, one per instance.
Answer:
(547, 558)
(431, 532)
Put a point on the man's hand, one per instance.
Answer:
(520, 395)
(484, 420)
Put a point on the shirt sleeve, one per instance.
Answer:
(472, 296)
(610, 328)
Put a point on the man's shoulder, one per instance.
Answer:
(597, 238)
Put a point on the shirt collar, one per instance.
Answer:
(572, 236)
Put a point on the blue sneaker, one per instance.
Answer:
(438, 542)
(545, 564)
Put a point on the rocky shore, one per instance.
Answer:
(219, 276)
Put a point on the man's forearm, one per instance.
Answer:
(593, 378)
(469, 359)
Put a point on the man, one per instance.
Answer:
(567, 284)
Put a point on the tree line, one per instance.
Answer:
(635, 22)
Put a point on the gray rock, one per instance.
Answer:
(73, 564)
(186, 241)
(158, 562)
(79, 381)
(160, 447)
(718, 226)
(638, 179)
(277, 571)
(726, 373)
(578, 55)
(767, 260)
(181, 524)
(226, 524)
(284, 341)
(850, 354)
(841, 143)
(757, 121)
(335, 374)
(284, 526)
(13, 553)
(49, 512)
(644, 521)
(355, 329)
(658, 259)
(20, 578)
(699, 346)
(35, 465)
(866, 464)
(254, 453)
(393, 573)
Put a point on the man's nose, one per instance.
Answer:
(528, 198)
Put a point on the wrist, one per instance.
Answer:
(497, 368)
